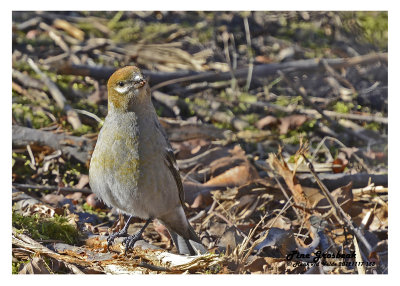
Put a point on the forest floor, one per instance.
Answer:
(278, 120)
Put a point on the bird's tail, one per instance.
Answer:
(182, 233)
(191, 246)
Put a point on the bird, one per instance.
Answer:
(133, 166)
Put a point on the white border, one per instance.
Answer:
(5, 122)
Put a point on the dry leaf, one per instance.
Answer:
(291, 122)
(35, 266)
(266, 121)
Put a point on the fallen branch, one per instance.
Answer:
(161, 79)
(51, 188)
(71, 146)
(180, 130)
(334, 181)
(316, 114)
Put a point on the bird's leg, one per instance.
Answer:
(131, 240)
(121, 233)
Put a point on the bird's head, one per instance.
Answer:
(127, 87)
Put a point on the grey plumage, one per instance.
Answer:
(133, 167)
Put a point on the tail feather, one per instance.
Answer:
(187, 246)
(182, 233)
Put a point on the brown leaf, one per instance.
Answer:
(193, 190)
(256, 264)
(343, 195)
(53, 199)
(290, 179)
(266, 121)
(202, 201)
(93, 201)
(338, 166)
(230, 239)
(69, 28)
(291, 122)
(234, 177)
(217, 229)
(263, 59)
(36, 266)
(83, 181)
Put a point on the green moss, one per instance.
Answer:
(375, 27)
(375, 126)
(308, 34)
(17, 265)
(114, 21)
(223, 125)
(205, 34)
(251, 118)
(56, 228)
(248, 98)
(89, 29)
(84, 129)
(128, 34)
(343, 107)
(292, 137)
(201, 102)
(20, 166)
(287, 100)
(368, 27)
(23, 112)
(101, 213)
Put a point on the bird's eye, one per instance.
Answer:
(121, 84)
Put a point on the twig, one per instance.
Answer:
(252, 232)
(250, 53)
(370, 189)
(300, 90)
(26, 80)
(337, 76)
(225, 38)
(343, 146)
(32, 164)
(27, 242)
(220, 116)
(72, 115)
(338, 212)
(55, 36)
(359, 261)
(89, 114)
(316, 114)
(51, 188)
(225, 219)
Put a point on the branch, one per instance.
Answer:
(160, 79)
(71, 146)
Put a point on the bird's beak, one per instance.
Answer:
(139, 81)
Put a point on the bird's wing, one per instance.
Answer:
(171, 162)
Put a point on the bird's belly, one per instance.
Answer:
(157, 188)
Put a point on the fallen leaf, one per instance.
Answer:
(291, 122)
(35, 266)
(266, 121)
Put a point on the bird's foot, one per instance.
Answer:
(122, 233)
(131, 240)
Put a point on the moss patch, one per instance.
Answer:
(56, 228)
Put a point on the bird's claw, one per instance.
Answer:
(114, 235)
(130, 241)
